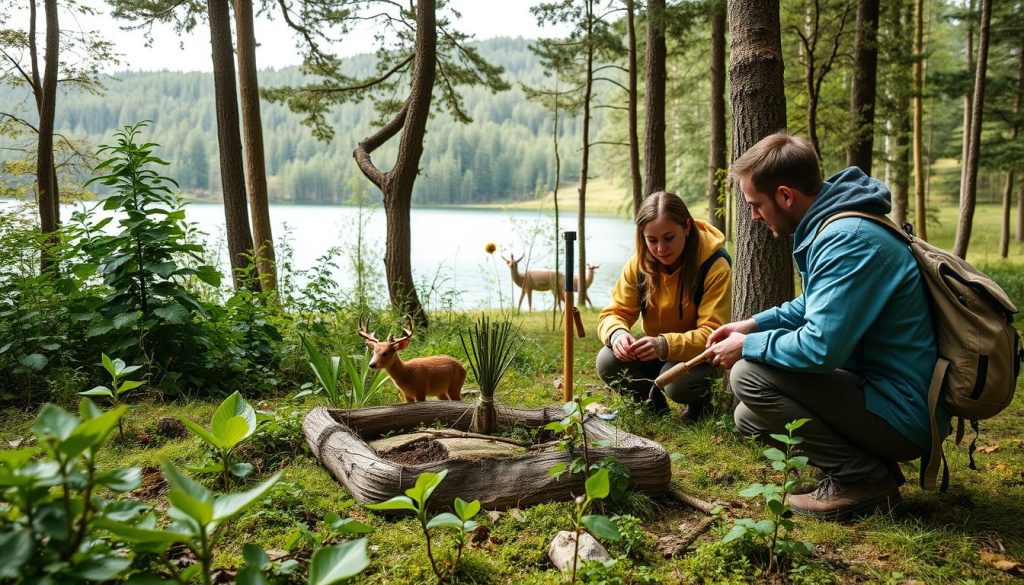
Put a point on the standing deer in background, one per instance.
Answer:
(590, 278)
(532, 280)
(438, 375)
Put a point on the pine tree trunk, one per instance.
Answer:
(901, 118)
(716, 155)
(554, 192)
(654, 102)
(397, 184)
(967, 200)
(232, 174)
(252, 134)
(763, 273)
(1018, 109)
(862, 91)
(968, 101)
(634, 139)
(1004, 233)
(48, 198)
(920, 213)
(588, 92)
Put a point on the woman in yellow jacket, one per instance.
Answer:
(680, 282)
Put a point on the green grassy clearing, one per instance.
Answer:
(931, 538)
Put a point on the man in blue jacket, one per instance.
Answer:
(854, 352)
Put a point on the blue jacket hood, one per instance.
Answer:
(848, 190)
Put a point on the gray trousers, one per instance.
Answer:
(842, 438)
(637, 377)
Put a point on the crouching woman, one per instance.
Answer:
(679, 282)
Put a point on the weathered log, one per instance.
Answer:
(338, 440)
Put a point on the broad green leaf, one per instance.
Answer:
(92, 432)
(16, 458)
(785, 439)
(15, 549)
(778, 465)
(141, 535)
(776, 507)
(250, 575)
(98, 391)
(597, 485)
(124, 510)
(240, 469)
(799, 462)
(557, 469)
(101, 567)
(34, 361)
(601, 527)
(128, 385)
(764, 527)
(335, 564)
(209, 275)
(347, 526)
(466, 510)
(395, 503)
(445, 520)
(426, 483)
(794, 425)
(228, 505)
(121, 479)
(53, 421)
(225, 424)
(752, 491)
(194, 500)
(173, 313)
(774, 454)
(201, 432)
(737, 531)
(124, 320)
(255, 556)
(88, 410)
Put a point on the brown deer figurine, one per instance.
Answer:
(590, 278)
(438, 375)
(531, 280)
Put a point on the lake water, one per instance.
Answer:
(450, 265)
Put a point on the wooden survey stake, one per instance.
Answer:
(567, 352)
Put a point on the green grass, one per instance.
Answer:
(931, 538)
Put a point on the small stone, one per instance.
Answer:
(170, 427)
(598, 408)
(561, 549)
(495, 515)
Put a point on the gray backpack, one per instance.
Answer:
(979, 348)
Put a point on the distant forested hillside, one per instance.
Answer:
(506, 153)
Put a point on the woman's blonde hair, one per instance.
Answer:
(671, 206)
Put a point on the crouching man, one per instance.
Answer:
(854, 353)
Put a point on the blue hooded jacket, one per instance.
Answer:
(863, 307)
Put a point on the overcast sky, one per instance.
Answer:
(483, 18)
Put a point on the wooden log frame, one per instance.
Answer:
(338, 440)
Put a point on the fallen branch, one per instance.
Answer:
(692, 501)
(672, 546)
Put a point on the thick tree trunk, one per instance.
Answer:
(862, 91)
(763, 273)
(232, 174)
(581, 227)
(901, 120)
(397, 184)
(968, 100)
(716, 155)
(654, 101)
(634, 138)
(967, 200)
(920, 213)
(252, 134)
(48, 198)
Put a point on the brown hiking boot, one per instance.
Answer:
(832, 501)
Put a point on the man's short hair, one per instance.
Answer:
(780, 159)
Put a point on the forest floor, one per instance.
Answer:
(973, 533)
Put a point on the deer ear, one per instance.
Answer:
(370, 344)
(402, 344)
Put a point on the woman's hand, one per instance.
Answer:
(744, 327)
(622, 346)
(645, 349)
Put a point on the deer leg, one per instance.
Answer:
(455, 387)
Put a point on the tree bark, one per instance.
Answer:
(716, 155)
(901, 119)
(763, 272)
(48, 198)
(634, 139)
(920, 213)
(232, 174)
(1018, 109)
(654, 100)
(1004, 233)
(968, 100)
(396, 185)
(862, 91)
(252, 128)
(967, 200)
(581, 227)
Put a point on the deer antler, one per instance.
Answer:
(364, 326)
(407, 332)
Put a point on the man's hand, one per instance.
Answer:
(622, 347)
(744, 327)
(645, 349)
(728, 351)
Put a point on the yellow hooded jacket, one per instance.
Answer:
(686, 336)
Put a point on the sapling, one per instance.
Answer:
(573, 430)
(233, 423)
(597, 488)
(461, 521)
(117, 370)
(767, 531)
(490, 348)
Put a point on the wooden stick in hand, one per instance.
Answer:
(672, 374)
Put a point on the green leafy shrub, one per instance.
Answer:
(233, 422)
(117, 370)
(461, 522)
(597, 488)
(364, 382)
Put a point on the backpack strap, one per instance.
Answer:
(702, 275)
(930, 460)
(880, 219)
